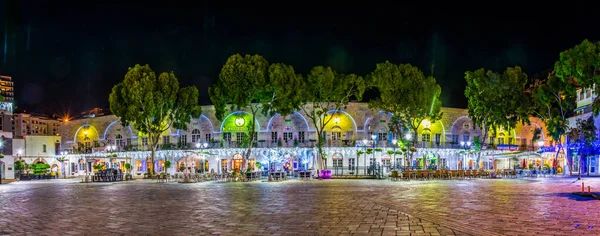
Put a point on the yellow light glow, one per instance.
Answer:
(85, 132)
(426, 124)
(336, 120)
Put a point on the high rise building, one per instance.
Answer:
(7, 88)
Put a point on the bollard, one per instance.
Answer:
(582, 187)
(589, 189)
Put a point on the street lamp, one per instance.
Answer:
(372, 162)
(394, 142)
(204, 146)
(63, 160)
(408, 137)
(465, 146)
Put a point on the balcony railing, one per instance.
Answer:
(305, 144)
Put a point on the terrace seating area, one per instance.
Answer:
(450, 174)
(468, 174)
(108, 175)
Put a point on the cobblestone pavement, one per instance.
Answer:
(332, 207)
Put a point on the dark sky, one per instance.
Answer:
(68, 57)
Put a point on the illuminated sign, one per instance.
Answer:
(240, 121)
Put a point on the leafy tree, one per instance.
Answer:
(326, 90)
(407, 94)
(552, 101)
(249, 83)
(285, 83)
(581, 63)
(243, 84)
(582, 136)
(153, 104)
(495, 100)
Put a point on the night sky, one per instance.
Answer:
(68, 57)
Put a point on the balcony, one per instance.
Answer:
(307, 144)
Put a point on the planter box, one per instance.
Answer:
(325, 174)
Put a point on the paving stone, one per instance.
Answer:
(333, 207)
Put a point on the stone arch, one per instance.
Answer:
(337, 155)
(432, 129)
(295, 121)
(340, 120)
(464, 126)
(39, 160)
(378, 121)
(115, 128)
(505, 135)
(384, 155)
(229, 122)
(85, 133)
(200, 127)
(527, 131)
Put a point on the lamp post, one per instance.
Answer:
(540, 145)
(408, 137)
(365, 142)
(204, 146)
(394, 142)
(198, 145)
(465, 146)
(372, 163)
(62, 160)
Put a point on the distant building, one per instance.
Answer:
(37, 125)
(7, 88)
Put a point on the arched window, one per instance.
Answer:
(196, 136)
(119, 140)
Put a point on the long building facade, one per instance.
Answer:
(288, 143)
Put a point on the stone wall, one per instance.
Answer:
(356, 120)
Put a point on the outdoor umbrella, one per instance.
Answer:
(524, 164)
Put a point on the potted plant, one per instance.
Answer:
(378, 149)
(279, 143)
(295, 142)
(390, 152)
(167, 165)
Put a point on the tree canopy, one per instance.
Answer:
(326, 90)
(243, 80)
(406, 93)
(153, 104)
(249, 83)
(552, 101)
(285, 84)
(496, 100)
(581, 63)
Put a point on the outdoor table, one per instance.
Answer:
(278, 175)
(304, 174)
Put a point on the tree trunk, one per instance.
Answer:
(414, 144)
(152, 152)
(153, 146)
(556, 158)
(579, 165)
(321, 162)
(248, 153)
